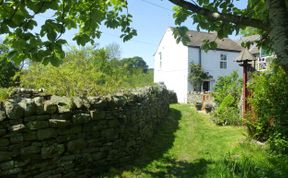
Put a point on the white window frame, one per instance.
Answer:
(223, 61)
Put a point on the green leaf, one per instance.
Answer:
(11, 54)
(4, 28)
(55, 61)
(180, 15)
(31, 24)
(83, 15)
(19, 43)
(61, 42)
(17, 57)
(180, 33)
(81, 39)
(51, 35)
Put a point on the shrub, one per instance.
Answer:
(227, 94)
(227, 113)
(227, 116)
(269, 101)
(252, 160)
(70, 80)
(228, 85)
(197, 76)
(84, 72)
(4, 93)
(278, 143)
(7, 68)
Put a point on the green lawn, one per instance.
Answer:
(188, 144)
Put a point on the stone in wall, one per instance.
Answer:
(53, 136)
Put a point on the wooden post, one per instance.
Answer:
(243, 59)
(245, 90)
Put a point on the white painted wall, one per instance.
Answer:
(193, 55)
(175, 63)
(210, 62)
(193, 58)
(174, 69)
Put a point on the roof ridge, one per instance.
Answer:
(197, 38)
(203, 32)
(191, 30)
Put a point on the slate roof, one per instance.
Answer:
(197, 38)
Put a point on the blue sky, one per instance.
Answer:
(151, 18)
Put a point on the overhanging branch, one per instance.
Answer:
(236, 19)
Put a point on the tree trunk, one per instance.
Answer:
(278, 16)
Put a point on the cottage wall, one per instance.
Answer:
(210, 62)
(170, 65)
(172, 59)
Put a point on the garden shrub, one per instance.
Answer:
(4, 93)
(249, 160)
(7, 73)
(7, 68)
(227, 93)
(84, 72)
(227, 113)
(228, 85)
(197, 76)
(69, 80)
(269, 102)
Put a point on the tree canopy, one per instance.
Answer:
(135, 62)
(86, 71)
(267, 17)
(7, 68)
(18, 24)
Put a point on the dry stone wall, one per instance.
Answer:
(54, 137)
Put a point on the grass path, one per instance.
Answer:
(199, 138)
(188, 144)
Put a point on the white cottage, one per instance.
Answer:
(172, 60)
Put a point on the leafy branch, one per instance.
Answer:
(224, 17)
(17, 24)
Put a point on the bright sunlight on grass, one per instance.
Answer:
(188, 144)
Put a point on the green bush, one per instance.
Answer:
(4, 93)
(278, 143)
(197, 76)
(228, 85)
(227, 116)
(249, 159)
(7, 68)
(70, 80)
(269, 101)
(84, 72)
(227, 94)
